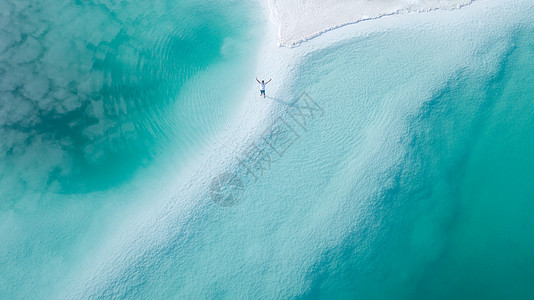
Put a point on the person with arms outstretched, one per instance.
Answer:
(262, 86)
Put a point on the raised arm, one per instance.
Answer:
(269, 81)
(257, 80)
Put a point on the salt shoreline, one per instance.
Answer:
(301, 21)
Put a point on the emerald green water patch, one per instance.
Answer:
(88, 98)
(453, 220)
(139, 96)
(418, 208)
(489, 252)
(96, 85)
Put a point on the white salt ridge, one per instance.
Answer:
(299, 21)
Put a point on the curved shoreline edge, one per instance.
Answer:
(294, 27)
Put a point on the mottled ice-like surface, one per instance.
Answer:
(299, 21)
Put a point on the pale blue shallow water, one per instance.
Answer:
(411, 180)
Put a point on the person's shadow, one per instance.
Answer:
(281, 101)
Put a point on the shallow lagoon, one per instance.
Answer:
(413, 181)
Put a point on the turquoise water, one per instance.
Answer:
(455, 222)
(93, 94)
(97, 85)
(412, 182)
(490, 241)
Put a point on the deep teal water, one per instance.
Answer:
(97, 85)
(457, 222)
(92, 94)
(490, 241)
